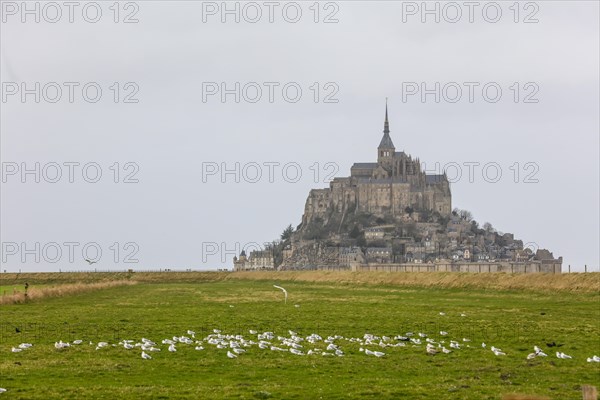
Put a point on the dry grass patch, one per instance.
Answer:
(34, 294)
(523, 397)
(589, 282)
(575, 282)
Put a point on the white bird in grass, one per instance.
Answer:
(172, 348)
(185, 340)
(146, 356)
(374, 353)
(593, 359)
(563, 355)
(128, 346)
(78, 341)
(16, 350)
(284, 293)
(2, 390)
(25, 345)
(538, 352)
(231, 355)
(61, 345)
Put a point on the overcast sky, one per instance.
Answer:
(173, 130)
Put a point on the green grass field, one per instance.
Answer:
(514, 321)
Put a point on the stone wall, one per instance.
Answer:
(486, 267)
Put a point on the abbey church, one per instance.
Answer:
(386, 187)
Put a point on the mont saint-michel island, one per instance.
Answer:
(390, 215)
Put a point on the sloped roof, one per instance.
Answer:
(386, 142)
(365, 165)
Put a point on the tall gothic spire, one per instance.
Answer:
(386, 124)
(386, 140)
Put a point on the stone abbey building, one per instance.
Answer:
(385, 187)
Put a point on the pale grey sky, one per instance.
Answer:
(170, 57)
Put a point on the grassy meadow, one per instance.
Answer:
(511, 312)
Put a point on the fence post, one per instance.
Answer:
(585, 268)
(569, 268)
